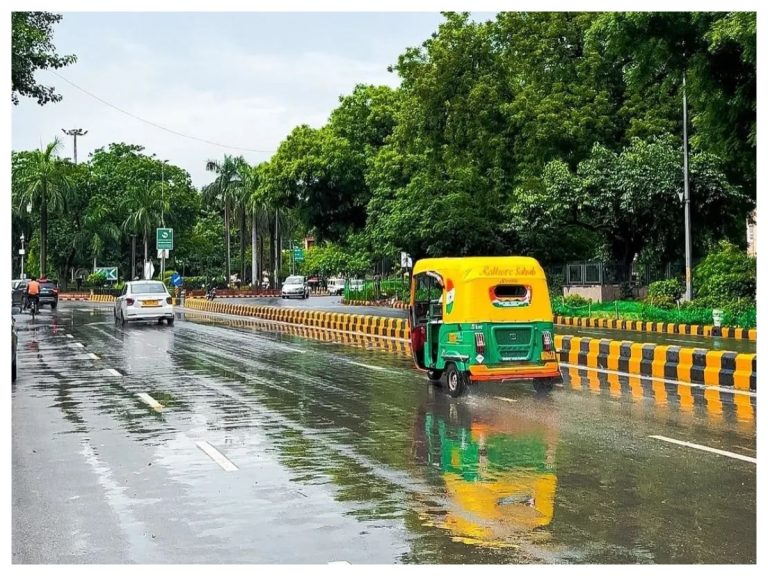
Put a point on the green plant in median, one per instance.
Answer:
(664, 293)
(725, 275)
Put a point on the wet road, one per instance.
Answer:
(333, 304)
(205, 443)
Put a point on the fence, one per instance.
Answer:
(597, 272)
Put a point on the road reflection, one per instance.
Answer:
(497, 468)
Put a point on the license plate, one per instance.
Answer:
(150, 303)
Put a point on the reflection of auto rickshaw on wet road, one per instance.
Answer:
(478, 319)
(498, 471)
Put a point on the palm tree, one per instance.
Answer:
(44, 184)
(253, 204)
(145, 206)
(224, 191)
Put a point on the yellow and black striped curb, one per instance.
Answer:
(368, 341)
(664, 327)
(102, 298)
(359, 323)
(692, 365)
(684, 400)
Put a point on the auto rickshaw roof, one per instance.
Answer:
(472, 267)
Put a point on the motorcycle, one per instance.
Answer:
(211, 294)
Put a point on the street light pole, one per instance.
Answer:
(75, 132)
(686, 199)
(133, 256)
(22, 254)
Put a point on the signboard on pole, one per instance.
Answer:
(109, 272)
(298, 255)
(163, 253)
(176, 279)
(149, 270)
(405, 260)
(164, 238)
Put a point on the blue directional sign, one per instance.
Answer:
(176, 279)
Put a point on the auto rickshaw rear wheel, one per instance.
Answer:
(456, 380)
(544, 384)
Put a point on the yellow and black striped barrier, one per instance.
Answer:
(102, 298)
(663, 327)
(691, 365)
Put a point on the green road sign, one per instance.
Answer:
(109, 272)
(298, 255)
(165, 238)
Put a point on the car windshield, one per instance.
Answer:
(294, 280)
(148, 288)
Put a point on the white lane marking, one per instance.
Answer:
(92, 355)
(706, 449)
(657, 379)
(366, 365)
(77, 344)
(511, 400)
(682, 341)
(149, 401)
(216, 456)
(70, 336)
(113, 372)
(299, 350)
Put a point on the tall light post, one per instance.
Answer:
(75, 132)
(686, 200)
(21, 253)
(133, 256)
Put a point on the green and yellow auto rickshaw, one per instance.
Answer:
(482, 318)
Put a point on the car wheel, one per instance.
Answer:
(53, 306)
(13, 371)
(122, 318)
(170, 320)
(455, 380)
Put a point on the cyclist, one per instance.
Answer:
(33, 294)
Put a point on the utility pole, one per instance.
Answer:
(686, 200)
(75, 132)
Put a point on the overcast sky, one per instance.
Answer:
(240, 79)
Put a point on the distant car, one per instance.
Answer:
(336, 286)
(295, 287)
(18, 290)
(14, 338)
(49, 294)
(144, 300)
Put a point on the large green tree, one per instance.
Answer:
(43, 183)
(32, 49)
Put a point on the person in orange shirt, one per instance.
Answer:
(33, 293)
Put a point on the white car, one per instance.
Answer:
(295, 287)
(144, 300)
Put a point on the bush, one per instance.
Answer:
(575, 301)
(727, 274)
(96, 279)
(664, 293)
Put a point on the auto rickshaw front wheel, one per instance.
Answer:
(456, 380)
